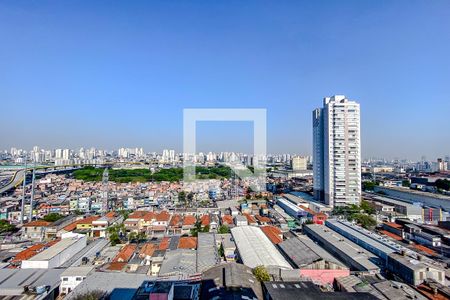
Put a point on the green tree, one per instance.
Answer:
(132, 236)
(52, 217)
(443, 184)
(205, 228)
(261, 273)
(6, 227)
(368, 185)
(114, 238)
(92, 295)
(365, 205)
(197, 228)
(364, 220)
(223, 229)
(190, 196)
(141, 236)
(182, 196)
(406, 183)
(221, 251)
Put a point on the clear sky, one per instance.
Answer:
(112, 74)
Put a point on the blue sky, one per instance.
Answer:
(112, 74)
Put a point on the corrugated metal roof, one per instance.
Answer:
(207, 255)
(255, 249)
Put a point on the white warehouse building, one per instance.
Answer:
(58, 254)
(255, 249)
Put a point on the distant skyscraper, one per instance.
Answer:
(337, 152)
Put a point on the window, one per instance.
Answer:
(65, 279)
(78, 279)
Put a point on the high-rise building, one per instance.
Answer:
(66, 154)
(299, 163)
(58, 153)
(337, 152)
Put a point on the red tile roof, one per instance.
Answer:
(250, 219)
(390, 234)
(28, 253)
(139, 214)
(116, 266)
(111, 214)
(37, 223)
(393, 225)
(33, 250)
(149, 216)
(163, 216)
(205, 220)
(227, 219)
(425, 249)
(125, 253)
(175, 221)
(147, 250)
(273, 233)
(187, 243)
(307, 210)
(189, 220)
(262, 219)
(164, 243)
(429, 292)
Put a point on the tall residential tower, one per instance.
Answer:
(337, 152)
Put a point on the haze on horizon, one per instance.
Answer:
(83, 74)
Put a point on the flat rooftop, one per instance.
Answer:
(303, 251)
(397, 202)
(419, 193)
(207, 255)
(55, 249)
(13, 280)
(353, 251)
(77, 271)
(368, 237)
(107, 282)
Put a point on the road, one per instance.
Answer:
(15, 180)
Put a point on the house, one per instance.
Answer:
(72, 277)
(138, 221)
(175, 224)
(54, 229)
(240, 220)
(146, 252)
(227, 220)
(125, 254)
(82, 226)
(34, 230)
(100, 226)
(160, 224)
(188, 223)
(205, 220)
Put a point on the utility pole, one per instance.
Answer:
(32, 192)
(22, 211)
(105, 181)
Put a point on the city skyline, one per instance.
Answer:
(108, 77)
